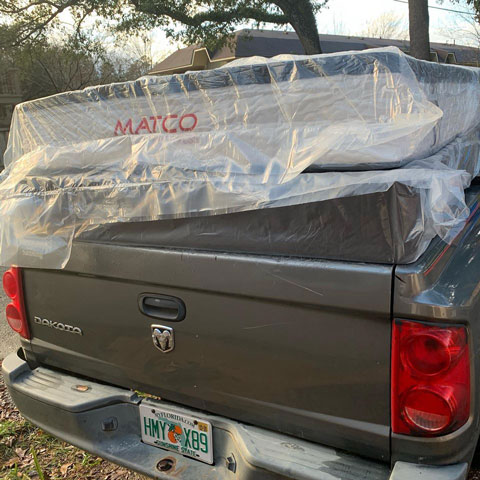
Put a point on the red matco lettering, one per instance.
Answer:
(157, 124)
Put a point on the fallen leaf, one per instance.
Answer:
(118, 475)
(11, 462)
(64, 468)
(20, 452)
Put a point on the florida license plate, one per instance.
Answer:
(171, 430)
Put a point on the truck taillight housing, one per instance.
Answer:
(15, 311)
(430, 378)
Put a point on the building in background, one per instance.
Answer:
(10, 95)
(268, 43)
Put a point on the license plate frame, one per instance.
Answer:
(170, 429)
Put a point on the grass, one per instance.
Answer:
(28, 453)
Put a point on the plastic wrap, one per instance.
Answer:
(238, 139)
(349, 110)
(384, 227)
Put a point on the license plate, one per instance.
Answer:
(171, 430)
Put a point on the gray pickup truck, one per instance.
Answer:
(194, 363)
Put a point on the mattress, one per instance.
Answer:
(304, 136)
(351, 110)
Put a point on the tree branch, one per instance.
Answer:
(216, 16)
(47, 71)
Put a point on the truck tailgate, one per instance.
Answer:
(294, 345)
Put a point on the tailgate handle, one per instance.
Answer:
(162, 306)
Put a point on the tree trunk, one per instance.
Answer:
(419, 29)
(302, 19)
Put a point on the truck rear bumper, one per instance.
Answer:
(104, 420)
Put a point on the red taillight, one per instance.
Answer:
(430, 378)
(15, 311)
(10, 283)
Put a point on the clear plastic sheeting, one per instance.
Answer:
(260, 135)
(350, 110)
(39, 218)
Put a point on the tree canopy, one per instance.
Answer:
(387, 25)
(210, 22)
(475, 4)
(50, 67)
